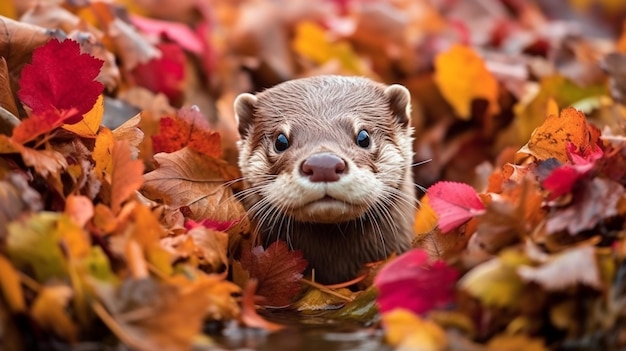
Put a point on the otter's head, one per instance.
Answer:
(325, 149)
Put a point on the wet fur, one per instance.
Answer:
(324, 114)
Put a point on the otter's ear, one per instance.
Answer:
(244, 112)
(400, 103)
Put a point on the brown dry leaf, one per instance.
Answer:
(594, 201)
(7, 100)
(211, 248)
(564, 270)
(462, 76)
(130, 132)
(17, 42)
(188, 178)
(49, 311)
(551, 138)
(126, 174)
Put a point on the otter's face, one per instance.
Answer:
(325, 149)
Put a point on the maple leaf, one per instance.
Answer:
(413, 283)
(60, 77)
(188, 128)
(454, 203)
(277, 269)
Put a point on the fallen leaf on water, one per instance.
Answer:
(249, 315)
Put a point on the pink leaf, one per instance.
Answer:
(454, 203)
(413, 283)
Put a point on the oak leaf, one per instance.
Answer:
(462, 76)
(60, 77)
(188, 128)
(413, 283)
(277, 269)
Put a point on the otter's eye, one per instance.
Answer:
(281, 143)
(363, 139)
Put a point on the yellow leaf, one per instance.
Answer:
(425, 218)
(11, 287)
(90, 123)
(102, 154)
(48, 311)
(496, 282)
(75, 241)
(312, 42)
(130, 132)
(462, 76)
(407, 331)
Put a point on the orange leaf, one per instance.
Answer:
(79, 209)
(189, 128)
(551, 138)
(462, 76)
(127, 175)
(11, 287)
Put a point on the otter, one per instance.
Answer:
(326, 163)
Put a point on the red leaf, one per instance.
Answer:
(561, 181)
(211, 224)
(454, 203)
(278, 271)
(60, 77)
(188, 128)
(41, 123)
(164, 74)
(412, 283)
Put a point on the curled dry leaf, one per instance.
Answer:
(187, 178)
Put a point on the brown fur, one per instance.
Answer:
(374, 211)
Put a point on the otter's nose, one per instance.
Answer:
(323, 167)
